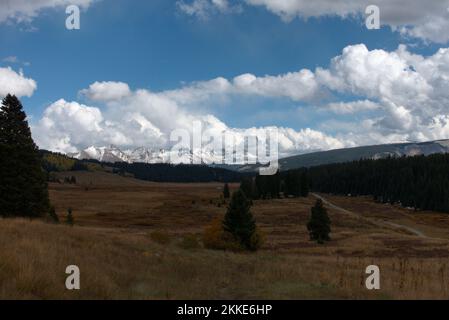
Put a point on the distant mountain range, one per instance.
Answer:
(144, 155)
(357, 153)
(152, 156)
(113, 154)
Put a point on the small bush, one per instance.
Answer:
(257, 240)
(214, 237)
(190, 241)
(52, 216)
(70, 220)
(160, 237)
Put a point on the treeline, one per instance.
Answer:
(177, 173)
(57, 162)
(293, 183)
(420, 182)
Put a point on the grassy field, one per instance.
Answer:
(119, 259)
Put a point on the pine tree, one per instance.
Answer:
(23, 187)
(262, 186)
(239, 220)
(70, 221)
(247, 187)
(319, 223)
(304, 185)
(226, 193)
(292, 183)
(274, 184)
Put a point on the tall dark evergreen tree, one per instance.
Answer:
(226, 193)
(319, 223)
(274, 185)
(23, 186)
(239, 220)
(304, 184)
(292, 183)
(247, 187)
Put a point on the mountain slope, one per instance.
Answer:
(365, 152)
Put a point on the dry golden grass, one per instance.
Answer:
(119, 265)
(112, 244)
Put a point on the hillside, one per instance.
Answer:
(365, 152)
(159, 172)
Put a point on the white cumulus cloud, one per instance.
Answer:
(106, 91)
(145, 118)
(15, 83)
(405, 93)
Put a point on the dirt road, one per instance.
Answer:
(377, 222)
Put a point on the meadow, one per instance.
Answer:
(129, 241)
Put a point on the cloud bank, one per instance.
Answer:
(427, 20)
(397, 96)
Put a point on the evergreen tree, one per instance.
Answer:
(70, 221)
(262, 186)
(304, 185)
(23, 186)
(226, 193)
(319, 223)
(274, 185)
(292, 183)
(239, 220)
(247, 187)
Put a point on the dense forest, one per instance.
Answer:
(177, 173)
(292, 183)
(420, 182)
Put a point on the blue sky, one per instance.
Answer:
(156, 46)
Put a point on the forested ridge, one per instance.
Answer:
(419, 182)
(159, 172)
